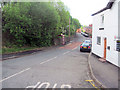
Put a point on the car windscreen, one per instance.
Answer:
(87, 41)
(85, 44)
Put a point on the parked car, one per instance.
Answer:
(85, 47)
(88, 41)
(84, 34)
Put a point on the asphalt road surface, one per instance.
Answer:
(58, 67)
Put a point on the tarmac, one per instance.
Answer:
(104, 74)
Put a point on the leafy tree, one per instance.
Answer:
(63, 13)
(76, 23)
(35, 23)
(15, 21)
(28, 24)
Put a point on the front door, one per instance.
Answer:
(105, 45)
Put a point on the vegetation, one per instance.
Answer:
(16, 49)
(76, 23)
(35, 24)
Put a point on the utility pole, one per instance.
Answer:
(69, 28)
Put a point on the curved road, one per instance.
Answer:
(59, 67)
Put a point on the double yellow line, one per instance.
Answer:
(91, 82)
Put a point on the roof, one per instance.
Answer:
(108, 6)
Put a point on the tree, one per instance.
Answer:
(76, 23)
(27, 23)
(36, 23)
(63, 13)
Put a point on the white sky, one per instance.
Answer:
(83, 9)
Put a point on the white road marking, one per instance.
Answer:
(33, 86)
(48, 60)
(66, 52)
(74, 48)
(14, 75)
(64, 86)
(24, 70)
(45, 83)
(55, 85)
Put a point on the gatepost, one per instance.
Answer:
(63, 39)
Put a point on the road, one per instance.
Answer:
(59, 67)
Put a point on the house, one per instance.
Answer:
(106, 32)
(88, 29)
(78, 30)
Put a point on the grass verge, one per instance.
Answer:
(16, 49)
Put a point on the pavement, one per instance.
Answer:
(105, 74)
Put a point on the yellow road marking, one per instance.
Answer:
(92, 84)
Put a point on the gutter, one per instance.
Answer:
(109, 6)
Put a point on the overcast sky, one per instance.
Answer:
(82, 9)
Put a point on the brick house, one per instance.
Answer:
(88, 29)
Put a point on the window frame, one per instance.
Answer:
(102, 18)
(98, 40)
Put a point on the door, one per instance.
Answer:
(105, 46)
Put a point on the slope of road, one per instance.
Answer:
(60, 67)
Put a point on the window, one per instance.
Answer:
(102, 18)
(99, 40)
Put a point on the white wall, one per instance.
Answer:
(111, 26)
(110, 30)
(97, 49)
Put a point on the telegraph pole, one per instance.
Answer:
(69, 28)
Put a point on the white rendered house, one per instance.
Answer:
(106, 32)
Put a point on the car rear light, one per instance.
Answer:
(80, 46)
(89, 47)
